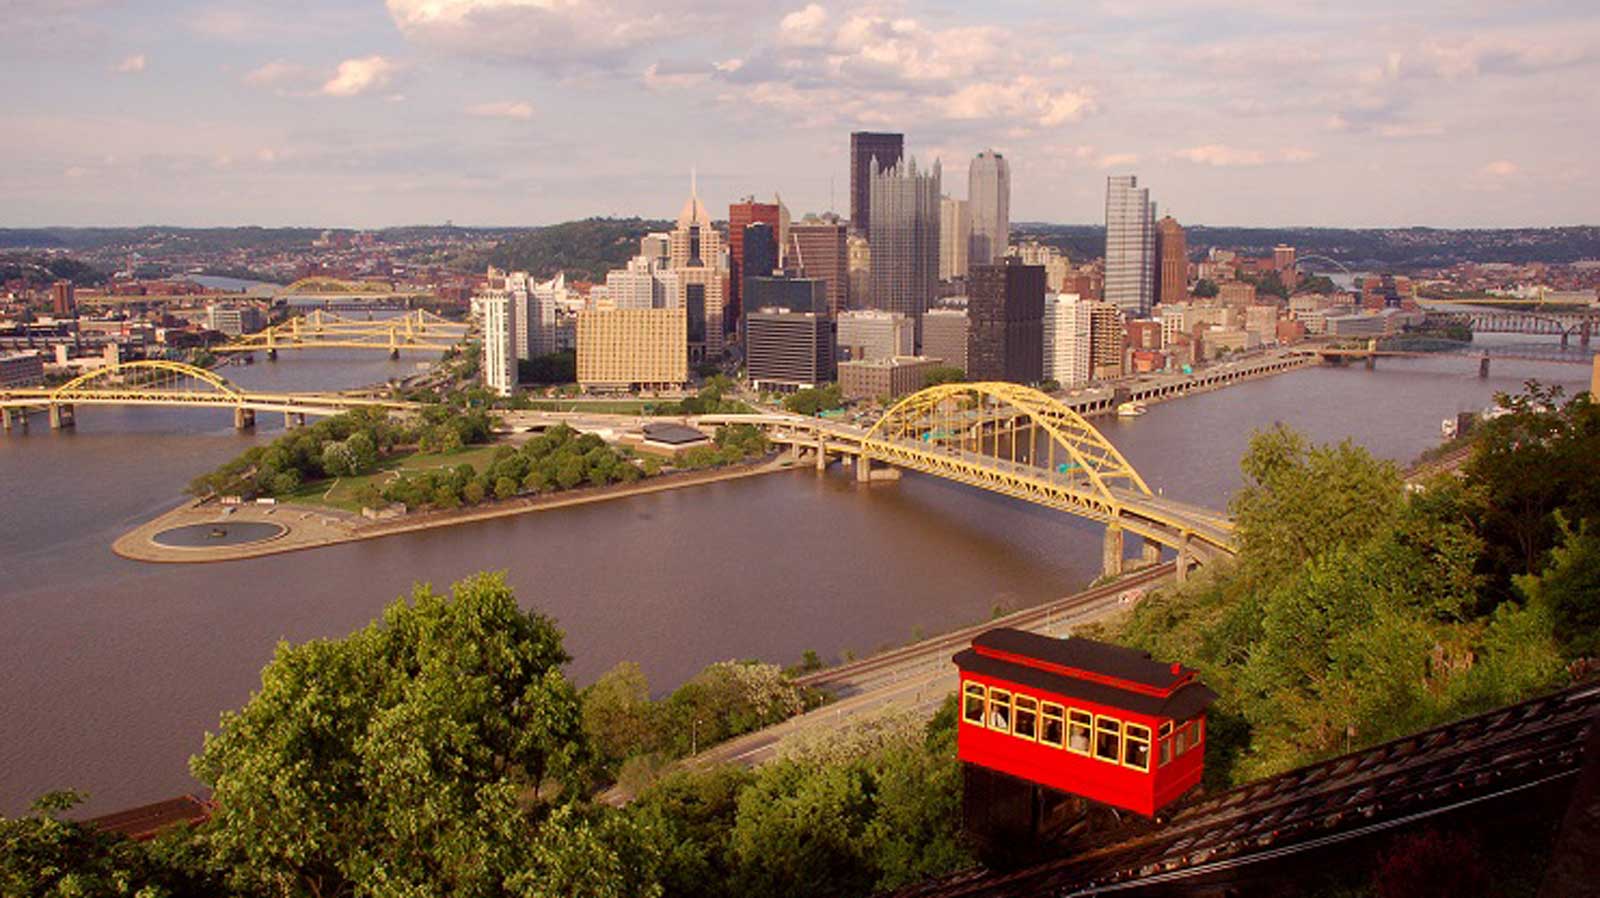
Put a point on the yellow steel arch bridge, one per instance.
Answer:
(1016, 441)
(174, 384)
(416, 330)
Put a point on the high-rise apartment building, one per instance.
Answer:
(869, 149)
(871, 334)
(1067, 348)
(695, 256)
(499, 337)
(904, 239)
(63, 298)
(1107, 337)
(989, 200)
(955, 237)
(1130, 245)
(742, 215)
(1283, 259)
(234, 321)
(819, 249)
(644, 284)
(944, 336)
(1005, 322)
(786, 350)
(632, 349)
(1172, 258)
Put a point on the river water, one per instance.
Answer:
(111, 670)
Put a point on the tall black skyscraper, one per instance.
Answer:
(865, 146)
(1005, 312)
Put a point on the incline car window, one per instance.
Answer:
(972, 707)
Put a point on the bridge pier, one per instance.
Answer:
(1483, 365)
(863, 469)
(291, 420)
(5, 416)
(1594, 386)
(1111, 555)
(1185, 558)
(1372, 362)
(394, 354)
(1151, 553)
(243, 418)
(62, 415)
(272, 355)
(822, 454)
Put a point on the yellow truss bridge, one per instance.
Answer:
(174, 384)
(419, 330)
(1018, 442)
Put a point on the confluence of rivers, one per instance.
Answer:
(114, 669)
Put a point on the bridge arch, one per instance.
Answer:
(148, 376)
(947, 415)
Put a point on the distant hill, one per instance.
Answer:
(1389, 249)
(585, 250)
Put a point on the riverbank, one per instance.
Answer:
(311, 527)
(1149, 390)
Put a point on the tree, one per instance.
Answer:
(397, 759)
(44, 855)
(943, 374)
(1205, 288)
(618, 717)
(1569, 589)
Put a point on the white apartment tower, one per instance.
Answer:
(1067, 347)
(499, 336)
(989, 199)
(1130, 246)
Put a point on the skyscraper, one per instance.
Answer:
(955, 237)
(989, 199)
(867, 148)
(1172, 256)
(1005, 312)
(740, 216)
(904, 240)
(1067, 339)
(1130, 246)
(695, 257)
(499, 333)
(818, 249)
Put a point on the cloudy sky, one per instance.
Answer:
(519, 112)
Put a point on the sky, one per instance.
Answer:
(368, 113)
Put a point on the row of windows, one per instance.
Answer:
(1093, 735)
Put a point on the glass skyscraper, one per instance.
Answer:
(1130, 246)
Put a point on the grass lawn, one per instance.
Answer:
(606, 406)
(342, 494)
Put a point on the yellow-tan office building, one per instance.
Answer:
(633, 349)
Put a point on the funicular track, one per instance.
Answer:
(1474, 760)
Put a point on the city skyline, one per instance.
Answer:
(508, 113)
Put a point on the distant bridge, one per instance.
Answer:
(1582, 323)
(174, 384)
(1375, 350)
(418, 330)
(1018, 442)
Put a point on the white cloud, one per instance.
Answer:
(1221, 156)
(509, 109)
(1023, 99)
(1297, 154)
(804, 27)
(132, 65)
(1118, 160)
(276, 73)
(555, 34)
(1500, 168)
(359, 76)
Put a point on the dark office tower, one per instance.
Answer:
(760, 251)
(865, 148)
(820, 249)
(904, 240)
(1005, 314)
(740, 216)
(1172, 258)
(788, 350)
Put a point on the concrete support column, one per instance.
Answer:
(822, 454)
(794, 450)
(1185, 558)
(394, 354)
(1151, 553)
(1111, 557)
(1483, 365)
(863, 469)
(1372, 363)
(5, 415)
(291, 420)
(1594, 386)
(243, 418)
(61, 415)
(272, 355)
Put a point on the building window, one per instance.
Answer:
(972, 707)
(1079, 728)
(1027, 725)
(1000, 710)
(1136, 747)
(1054, 725)
(1107, 739)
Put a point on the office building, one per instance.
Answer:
(234, 320)
(633, 349)
(1130, 246)
(955, 236)
(1067, 348)
(695, 256)
(819, 249)
(63, 299)
(859, 266)
(741, 216)
(1283, 259)
(499, 338)
(642, 285)
(793, 294)
(21, 369)
(904, 239)
(1172, 258)
(788, 350)
(868, 150)
(1237, 293)
(1005, 322)
(1057, 267)
(871, 334)
(1106, 341)
(886, 378)
(944, 336)
(989, 201)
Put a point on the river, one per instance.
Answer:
(114, 669)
